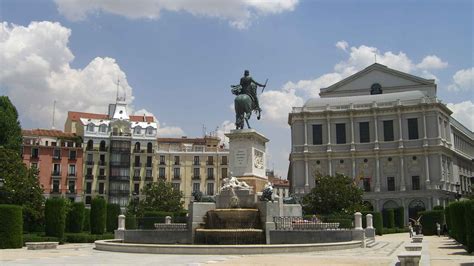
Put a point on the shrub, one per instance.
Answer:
(55, 217)
(98, 216)
(86, 226)
(438, 208)
(394, 230)
(151, 217)
(456, 211)
(343, 223)
(469, 221)
(400, 217)
(447, 217)
(130, 222)
(85, 237)
(39, 238)
(113, 211)
(388, 218)
(75, 217)
(11, 226)
(429, 220)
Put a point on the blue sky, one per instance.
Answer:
(178, 61)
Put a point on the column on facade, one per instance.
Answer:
(425, 143)
(306, 174)
(400, 131)
(353, 166)
(402, 173)
(305, 134)
(376, 130)
(441, 167)
(377, 173)
(352, 132)
(427, 170)
(328, 125)
(438, 118)
(329, 164)
(448, 136)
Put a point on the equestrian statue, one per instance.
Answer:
(246, 100)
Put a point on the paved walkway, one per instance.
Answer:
(437, 251)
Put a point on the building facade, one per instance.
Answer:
(387, 130)
(58, 158)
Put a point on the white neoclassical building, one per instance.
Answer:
(387, 130)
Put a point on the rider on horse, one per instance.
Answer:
(246, 82)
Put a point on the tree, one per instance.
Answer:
(10, 130)
(21, 187)
(333, 194)
(161, 196)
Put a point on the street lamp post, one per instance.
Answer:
(458, 195)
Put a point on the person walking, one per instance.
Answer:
(438, 229)
(410, 229)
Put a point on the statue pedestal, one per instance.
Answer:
(247, 157)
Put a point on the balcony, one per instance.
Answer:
(137, 164)
(210, 163)
(162, 163)
(120, 164)
(118, 192)
(137, 151)
(148, 178)
(55, 157)
(150, 151)
(89, 148)
(101, 177)
(100, 192)
(69, 192)
(136, 178)
(34, 156)
(89, 162)
(196, 177)
(149, 165)
(72, 158)
(71, 175)
(103, 149)
(210, 177)
(56, 173)
(224, 163)
(89, 176)
(102, 163)
(55, 191)
(176, 163)
(176, 177)
(196, 163)
(162, 177)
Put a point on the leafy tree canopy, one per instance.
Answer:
(10, 129)
(158, 196)
(333, 194)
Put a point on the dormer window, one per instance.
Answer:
(375, 89)
(103, 128)
(138, 130)
(90, 127)
(149, 130)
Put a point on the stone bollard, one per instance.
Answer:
(121, 222)
(358, 221)
(370, 224)
(168, 220)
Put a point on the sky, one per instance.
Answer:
(176, 59)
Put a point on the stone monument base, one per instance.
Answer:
(247, 199)
(257, 183)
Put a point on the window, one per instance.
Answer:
(138, 130)
(56, 154)
(176, 172)
(72, 170)
(103, 128)
(55, 186)
(148, 161)
(72, 155)
(176, 160)
(90, 159)
(102, 146)
(210, 173)
(149, 130)
(210, 160)
(224, 172)
(196, 172)
(90, 127)
(317, 134)
(391, 183)
(388, 130)
(413, 128)
(102, 159)
(137, 147)
(72, 186)
(34, 153)
(102, 172)
(364, 133)
(149, 148)
(196, 160)
(224, 160)
(53, 143)
(176, 186)
(89, 171)
(161, 171)
(101, 188)
(90, 145)
(136, 173)
(196, 187)
(56, 169)
(162, 159)
(137, 161)
(340, 133)
(367, 184)
(149, 173)
(88, 187)
(136, 188)
(210, 189)
(415, 183)
(88, 199)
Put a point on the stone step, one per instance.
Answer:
(41, 245)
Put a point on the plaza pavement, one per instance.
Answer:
(437, 251)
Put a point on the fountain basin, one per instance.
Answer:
(232, 219)
(229, 236)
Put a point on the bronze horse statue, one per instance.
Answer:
(244, 105)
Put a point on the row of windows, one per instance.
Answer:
(196, 160)
(415, 183)
(364, 132)
(56, 186)
(56, 154)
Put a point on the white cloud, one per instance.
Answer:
(36, 71)
(463, 80)
(343, 45)
(239, 13)
(463, 113)
(277, 104)
(225, 127)
(432, 62)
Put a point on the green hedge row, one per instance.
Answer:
(400, 217)
(113, 211)
(130, 222)
(394, 230)
(460, 219)
(98, 216)
(75, 218)
(86, 226)
(388, 218)
(429, 220)
(85, 237)
(39, 238)
(55, 217)
(11, 226)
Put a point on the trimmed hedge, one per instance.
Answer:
(400, 217)
(131, 222)
(75, 217)
(376, 220)
(98, 216)
(438, 208)
(388, 218)
(429, 220)
(447, 217)
(39, 238)
(11, 226)
(86, 226)
(151, 217)
(469, 221)
(85, 237)
(395, 230)
(55, 217)
(458, 229)
(113, 211)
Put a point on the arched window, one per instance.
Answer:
(102, 145)
(149, 130)
(90, 145)
(103, 128)
(390, 204)
(149, 147)
(90, 127)
(137, 147)
(414, 208)
(138, 130)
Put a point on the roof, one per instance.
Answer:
(46, 133)
(182, 140)
(76, 116)
(365, 99)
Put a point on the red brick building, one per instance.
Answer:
(58, 157)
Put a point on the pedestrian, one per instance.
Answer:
(410, 229)
(438, 229)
